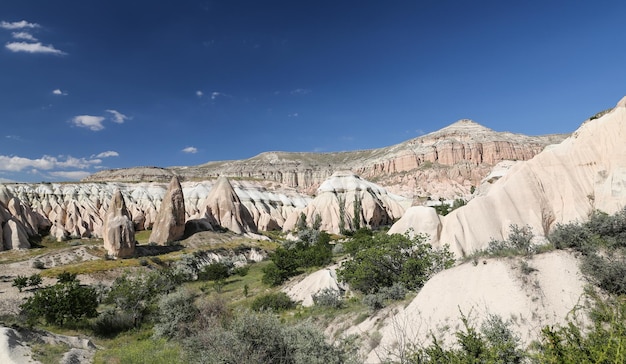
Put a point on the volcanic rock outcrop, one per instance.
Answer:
(345, 193)
(118, 230)
(223, 207)
(565, 182)
(445, 163)
(170, 221)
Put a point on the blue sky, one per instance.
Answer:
(87, 85)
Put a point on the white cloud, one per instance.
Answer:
(215, 94)
(46, 163)
(24, 35)
(294, 115)
(90, 122)
(199, 93)
(32, 48)
(117, 116)
(107, 154)
(18, 25)
(59, 92)
(190, 150)
(300, 91)
(72, 175)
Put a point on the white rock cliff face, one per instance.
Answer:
(445, 163)
(118, 230)
(170, 221)
(335, 202)
(564, 183)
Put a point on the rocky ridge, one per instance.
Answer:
(564, 183)
(445, 163)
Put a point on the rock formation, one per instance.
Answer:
(118, 230)
(169, 225)
(445, 163)
(419, 219)
(344, 193)
(547, 296)
(223, 207)
(565, 182)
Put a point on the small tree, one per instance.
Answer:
(62, 304)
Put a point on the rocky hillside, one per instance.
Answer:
(564, 183)
(445, 163)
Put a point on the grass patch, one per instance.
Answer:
(48, 353)
(143, 236)
(138, 347)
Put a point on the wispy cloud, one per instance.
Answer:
(46, 163)
(32, 48)
(215, 94)
(117, 116)
(300, 91)
(107, 154)
(24, 36)
(59, 92)
(90, 122)
(14, 137)
(190, 150)
(18, 25)
(71, 175)
(199, 93)
(293, 115)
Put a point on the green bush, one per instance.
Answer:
(35, 280)
(176, 312)
(328, 297)
(382, 260)
(252, 338)
(374, 301)
(20, 282)
(111, 323)
(62, 304)
(603, 342)
(214, 271)
(494, 343)
(311, 250)
(66, 277)
(278, 301)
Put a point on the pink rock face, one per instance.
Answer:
(118, 230)
(223, 207)
(170, 221)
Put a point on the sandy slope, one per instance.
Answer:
(546, 296)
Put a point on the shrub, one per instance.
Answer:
(608, 273)
(66, 277)
(214, 271)
(175, 314)
(35, 280)
(374, 301)
(382, 260)
(328, 297)
(20, 282)
(493, 343)
(278, 301)
(111, 323)
(396, 292)
(252, 338)
(242, 271)
(62, 304)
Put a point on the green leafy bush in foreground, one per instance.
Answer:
(62, 304)
(383, 260)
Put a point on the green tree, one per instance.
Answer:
(62, 304)
(356, 219)
(382, 260)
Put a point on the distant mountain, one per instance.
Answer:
(444, 163)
